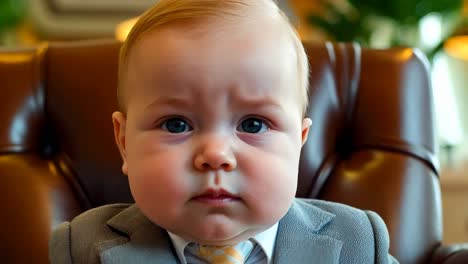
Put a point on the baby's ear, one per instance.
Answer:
(306, 124)
(120, 121)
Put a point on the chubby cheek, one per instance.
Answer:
(272, 181)
(157, 179)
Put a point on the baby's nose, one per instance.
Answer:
(215, 154)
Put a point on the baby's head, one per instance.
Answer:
(212, 96)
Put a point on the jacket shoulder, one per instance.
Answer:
(364, 233)
(98, 216)
(76, 241)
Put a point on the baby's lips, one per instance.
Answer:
(216, 194)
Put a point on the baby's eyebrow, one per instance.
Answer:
(170, 101)
(263, 102)
(235, 102)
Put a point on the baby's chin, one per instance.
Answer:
(225, 240)
(220, 233)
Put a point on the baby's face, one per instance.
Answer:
(213, 131)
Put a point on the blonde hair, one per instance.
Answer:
(172, 11)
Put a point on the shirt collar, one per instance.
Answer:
(266, 240)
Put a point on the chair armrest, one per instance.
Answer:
(451, 254)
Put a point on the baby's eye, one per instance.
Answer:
(252, 125)
(176, 125)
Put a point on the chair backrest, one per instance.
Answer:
(371, 145)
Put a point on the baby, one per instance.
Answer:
(212, 98)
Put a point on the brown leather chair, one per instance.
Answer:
(371, 145)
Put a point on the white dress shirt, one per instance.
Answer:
(266, 240)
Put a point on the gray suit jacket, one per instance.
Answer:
(312, 231)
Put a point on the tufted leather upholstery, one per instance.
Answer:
(371, 145)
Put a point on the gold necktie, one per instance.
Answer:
(223, 254)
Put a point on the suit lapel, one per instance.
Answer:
(299, 240)
(147, 243)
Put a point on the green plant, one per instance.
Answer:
(12, 12)
(358, 20)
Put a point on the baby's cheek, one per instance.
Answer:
(271, 186)
(158, 177)
(165, 180)
(159, 193)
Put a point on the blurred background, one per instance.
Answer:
(438, 27)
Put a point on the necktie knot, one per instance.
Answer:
(236, 254)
